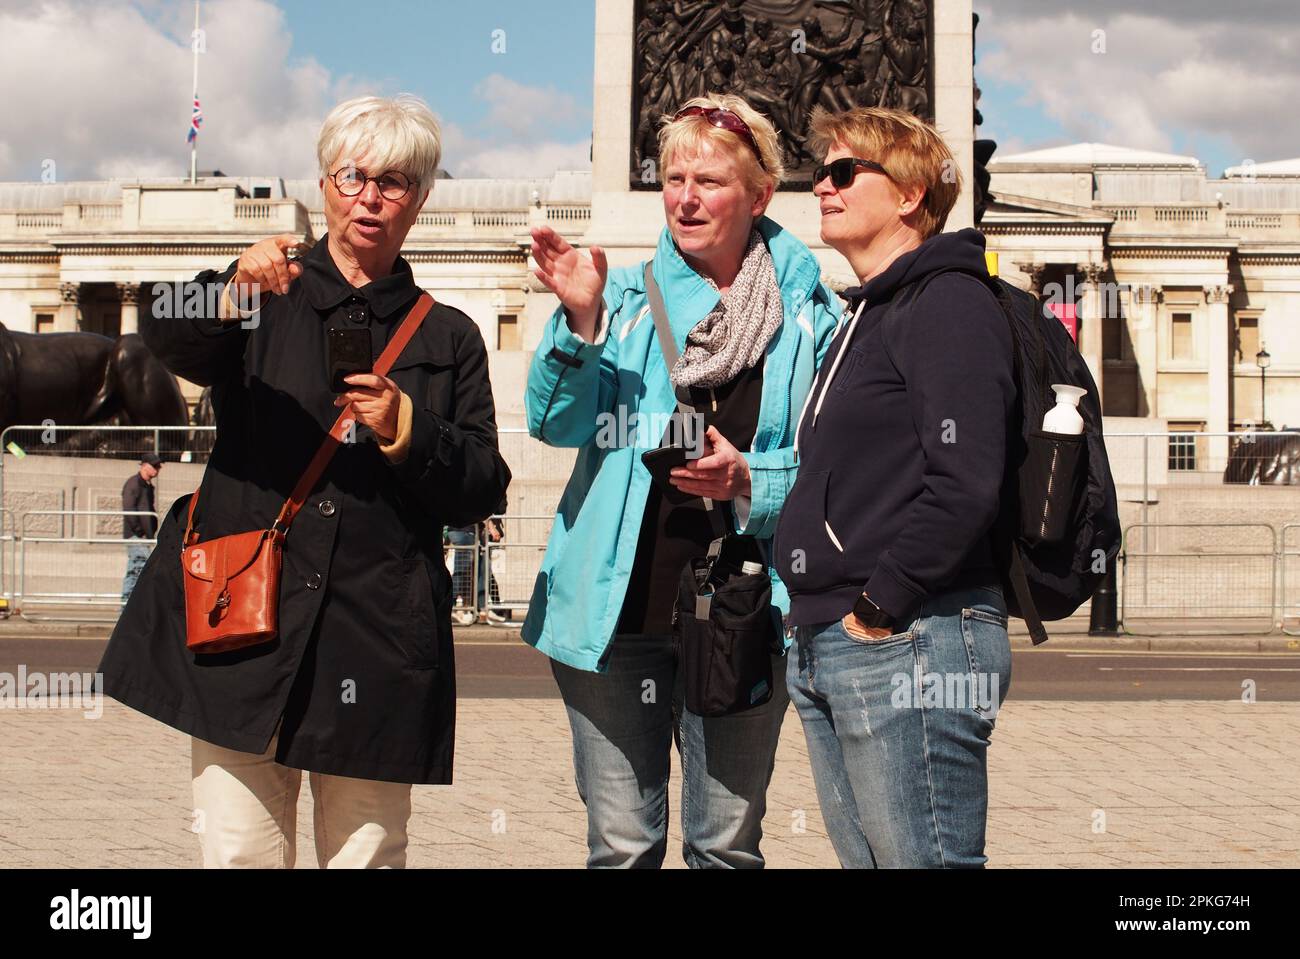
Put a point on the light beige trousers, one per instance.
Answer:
(246, 805)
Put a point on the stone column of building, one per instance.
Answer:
(1034, 273)
(1143, 332)
(69, 320)
(1091, 317)
(1220, 367)
(130, 296)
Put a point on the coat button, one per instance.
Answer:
(313, 581)
(326, 507)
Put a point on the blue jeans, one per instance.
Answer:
(136, 557)
(898, 730)
(624, 721)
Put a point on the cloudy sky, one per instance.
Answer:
(106, 84)
(1214, 79)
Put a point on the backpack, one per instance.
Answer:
(1057, 531)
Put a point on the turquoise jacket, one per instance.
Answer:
(584, 395)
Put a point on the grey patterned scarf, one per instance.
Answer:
(736, 332)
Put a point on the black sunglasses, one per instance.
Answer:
(843, 170)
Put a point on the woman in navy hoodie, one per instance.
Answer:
(884, 541)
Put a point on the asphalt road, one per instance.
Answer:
(515, 671)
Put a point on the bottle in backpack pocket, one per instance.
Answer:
(1054, 470)
(1064, 416)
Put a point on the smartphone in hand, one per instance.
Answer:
(349, 352)
(661, 463)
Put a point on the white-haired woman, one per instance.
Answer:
(751, 319)
(358, 687)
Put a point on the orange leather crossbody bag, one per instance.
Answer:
(232, 583)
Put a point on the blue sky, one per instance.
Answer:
(443, 50)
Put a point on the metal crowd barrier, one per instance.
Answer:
(1144, 463)
(509, 568)
(1175, 576)
(50, 566)
(1178, 575)
(1289, 587)
(7, 541)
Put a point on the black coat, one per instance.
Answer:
(362, 672)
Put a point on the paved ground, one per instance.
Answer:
(1173, 784)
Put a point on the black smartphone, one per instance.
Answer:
(349, 352)
(662, 461)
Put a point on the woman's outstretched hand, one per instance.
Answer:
(578, 280)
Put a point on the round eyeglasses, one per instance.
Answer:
(393, 184)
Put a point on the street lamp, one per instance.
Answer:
(1262, 359)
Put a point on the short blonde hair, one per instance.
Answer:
(400, 133)
(911, 150)
(689, 133)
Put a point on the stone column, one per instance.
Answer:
(1219, 359)
(130, 296)
(1143, 328)
(1034, 271)
(1090, 320)
(69, 320)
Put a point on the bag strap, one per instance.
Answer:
(1025, 597)
(334, 439)
(659, 312)
(685, 406)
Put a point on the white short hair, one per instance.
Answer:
(400, 133)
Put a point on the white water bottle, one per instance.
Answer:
(749, 567)
(1064, 416)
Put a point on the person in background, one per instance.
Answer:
(464, 542)
(495, 531)
(138, 497)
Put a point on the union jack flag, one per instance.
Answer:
(196, 121)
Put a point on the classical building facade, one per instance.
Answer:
(1178, 281)
(88, 255)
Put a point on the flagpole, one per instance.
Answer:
(194, 144)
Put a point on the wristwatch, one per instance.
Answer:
(870, 615)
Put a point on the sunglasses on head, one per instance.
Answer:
(725, 120)
(843, 170)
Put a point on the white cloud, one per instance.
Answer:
(511, 161)
(1176, 70)
(106, 93)
(524, 109)
(112, 89)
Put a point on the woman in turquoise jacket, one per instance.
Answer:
(751, 319)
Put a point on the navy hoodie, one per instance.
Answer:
(901, 449)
